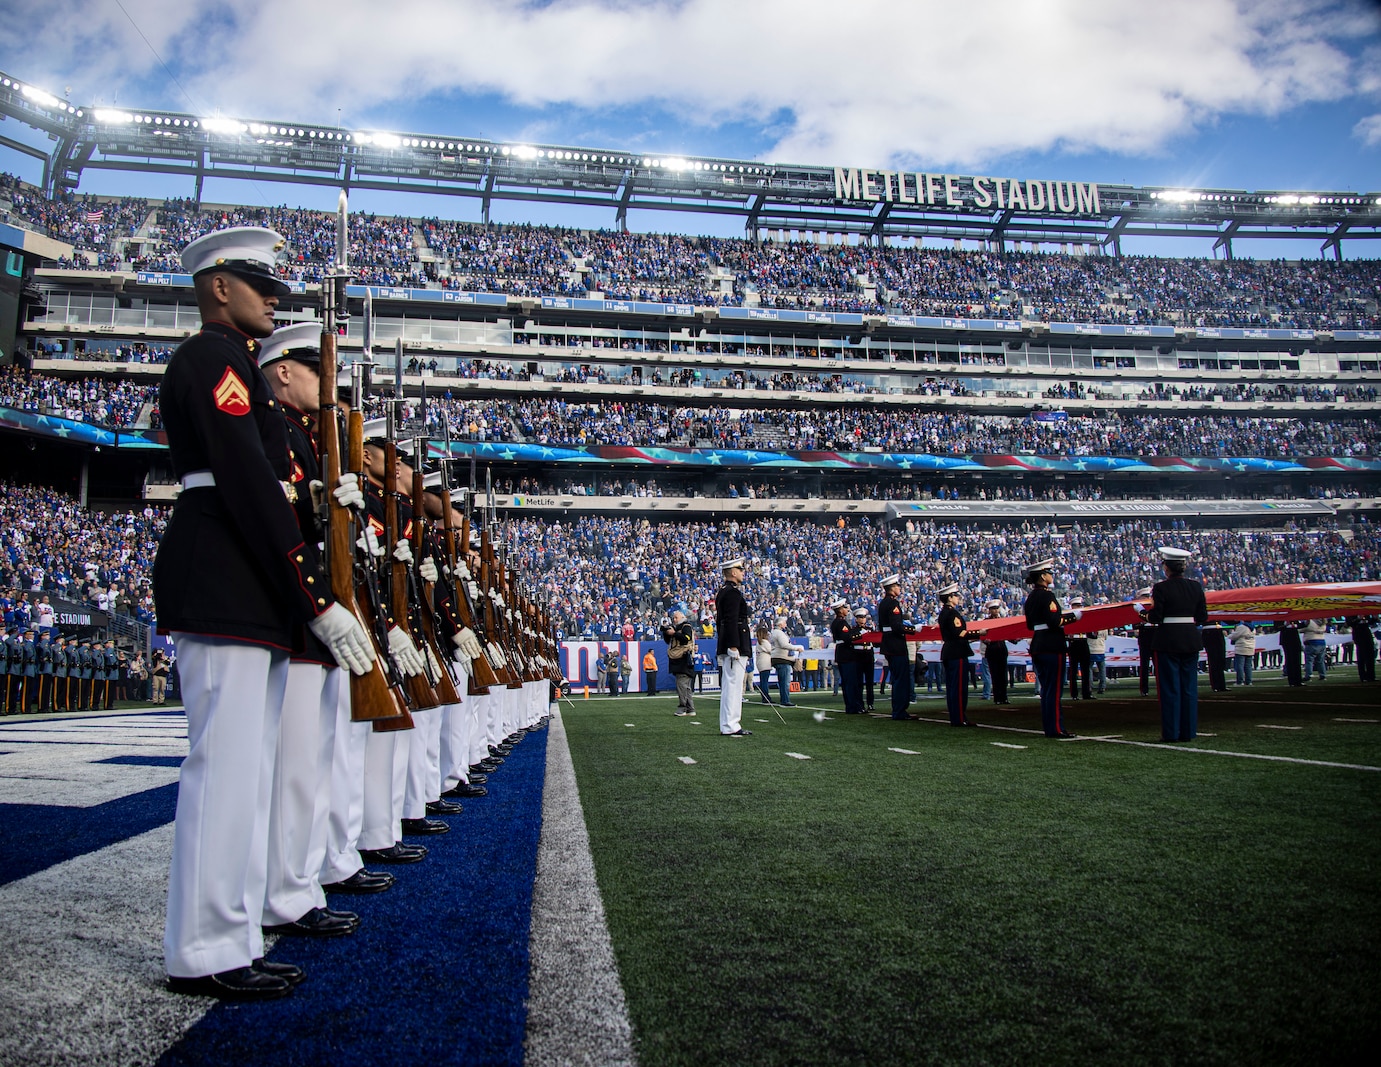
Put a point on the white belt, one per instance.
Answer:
(1041, 626)
(207, 480)
(1178, 618)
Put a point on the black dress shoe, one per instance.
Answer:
(240, 983)
(393, 854)
(1066, 734)
(424, 827)
(290, 973)
(443, 807)
(466, 789)
(347, 916)
(499, 751)
(903, 716)
(486, 766)
(317, 923)
(740, 732)
(478, 778)
(362, 881)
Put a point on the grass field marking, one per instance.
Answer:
(762, 720)
(630, 724)
(1240, 755)
(686, 760)
(697, 723)
(904, 751)
(1004, 744)
(1298, 703)
(1357, 720)
(798, 755)
(1203, 733)
(1273, 726)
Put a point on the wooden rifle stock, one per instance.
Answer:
(482, 675)
(499, 631)
(371, 697)
(445, 684)
(420, 693)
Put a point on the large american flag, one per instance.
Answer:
(96, 216)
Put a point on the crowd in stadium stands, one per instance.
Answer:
(760, 487)
(50, 544)
(531, 260)
(381, 249)
(106, 352)
(553, 421)
(104, 401)
(91, 226)
(601, 573)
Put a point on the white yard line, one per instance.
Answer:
(1240, 755)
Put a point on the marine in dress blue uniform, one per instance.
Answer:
(954, 655)
(234, 582)
(892, 622)
(1178, 608)
(843, 630)
(734, 647)
(1045, 620)
(995, 655)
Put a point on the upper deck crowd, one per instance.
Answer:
(528, 260)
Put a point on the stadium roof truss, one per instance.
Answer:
(872, 203)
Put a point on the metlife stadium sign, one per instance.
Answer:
(965, 191)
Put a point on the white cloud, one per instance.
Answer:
(868, 82)
(1368, 131)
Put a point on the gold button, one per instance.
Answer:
(311, 581)
(270, 403)
(320, 602)
(299, 559)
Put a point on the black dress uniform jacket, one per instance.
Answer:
(1042, 607)
(1178, 597)
(233, 562)
(893, 627)
(731, 621)
(843, 631)
(304, 467)
(956, 645)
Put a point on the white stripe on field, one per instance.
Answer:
(1003, 744)
(686, 760)
(576, 1008)
(1357, 720)
(797, 755)
(904, 751)
(1272, 726)
(1243, 755)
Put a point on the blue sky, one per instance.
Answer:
(1252, 94)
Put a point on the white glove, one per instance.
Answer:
(347, 492)
(463, 570)
(496, 656)
(1077, 614)
(427, 569)
(1139, 607)
(342, 633)
(432, 663)
(734, 654)
(318, 492)
(406, 658)
(368, 542)
(402, 551)
(469, 643)
(474, 588)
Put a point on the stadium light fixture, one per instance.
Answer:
(38, 96)
(523, 151)
(230, 126)
(115, 118)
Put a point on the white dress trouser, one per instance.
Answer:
(233, 694)
(379, 824)
(402, 749)
(479, 724)
(731, 675)
(455, 747)
(301, 789)
(345, 818)
(424, 756)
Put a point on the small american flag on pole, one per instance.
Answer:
(96, 216)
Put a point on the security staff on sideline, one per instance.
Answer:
(843, 630)
(954, 655)
(734, 647)
(995, 655)
(1045, 620)
(892, 622)
(1178, 608)
(233, 581)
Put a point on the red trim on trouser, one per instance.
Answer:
(1059, 690)
(1160, 696)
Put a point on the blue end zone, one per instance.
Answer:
(34, 837)
(438, 972)
(143, 761)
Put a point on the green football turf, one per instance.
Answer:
(1065, 902)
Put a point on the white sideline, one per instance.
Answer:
(576, 1011)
